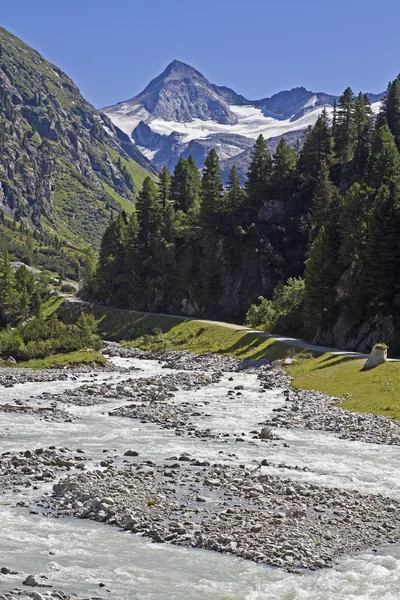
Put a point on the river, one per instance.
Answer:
(78, 555)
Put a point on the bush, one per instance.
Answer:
(286, 299)
(39, 338)
(68, 288)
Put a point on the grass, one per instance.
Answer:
(118, 199)
(162, 332)
(375, 391)
(202, 338)
(51, 306)
(73, 359)
(137, 172)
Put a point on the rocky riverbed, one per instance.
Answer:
(230, 509)
(29, 468)
(23, 594)
(191, 452)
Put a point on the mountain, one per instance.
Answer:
(65, 168)
(180, 113)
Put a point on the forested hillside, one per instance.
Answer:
(328, 213)
(65, 170)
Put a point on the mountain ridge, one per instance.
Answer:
(64, 167)
(181, 108)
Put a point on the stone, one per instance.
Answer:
(31, 581)
(377, 357)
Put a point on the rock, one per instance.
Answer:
(11, 360)
(267, 434)
(31, 581)
(131, 453)
(377, 357)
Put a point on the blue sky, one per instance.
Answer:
(112, 48)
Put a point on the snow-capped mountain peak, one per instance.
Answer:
(180, 113)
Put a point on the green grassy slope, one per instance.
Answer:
(376, 391)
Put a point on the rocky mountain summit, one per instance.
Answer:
(181, 113)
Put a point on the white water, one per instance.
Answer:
(83, 553)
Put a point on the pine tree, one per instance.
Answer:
(384, 162)
(10, 298)
(148, 214)
(353, 224)
(132, 267)
(164, 187)
(283, 173)
(89, 270)
(364, 126)
(383, 245)
(212, 201)
(391, 109)
(258, 178)
(345, 127)
(320, 276)
(186, 185)
(111, 257)
(323, 201)
(317, 148)
(234, 194)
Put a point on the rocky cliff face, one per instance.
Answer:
(360, 332)
(182, 94)
(63, 164)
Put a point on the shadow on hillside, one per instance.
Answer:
(250, 343)
(333, 361)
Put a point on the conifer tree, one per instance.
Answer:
(186, 185)
(10, 298)
(364, 126)
(353, 224)
(112, 255)
(258, 178)
(234, 194)
(320, 276)
(148, 214)
(391, 109)
(283, 173)
(384, 162)
(317, 148)
(323, 201)
(383, 245)
(345, 127)
(164, 187)
(212, 202)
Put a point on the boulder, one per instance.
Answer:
(377, 357)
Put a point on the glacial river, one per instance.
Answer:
(78, 555)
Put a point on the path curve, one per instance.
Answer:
(280, 338)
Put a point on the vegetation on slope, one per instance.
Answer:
(61, 162)
(58, 361)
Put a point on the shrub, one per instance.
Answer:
(286, 299)
(39, 338)
(68, 288)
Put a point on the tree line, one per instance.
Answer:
(319, 212)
